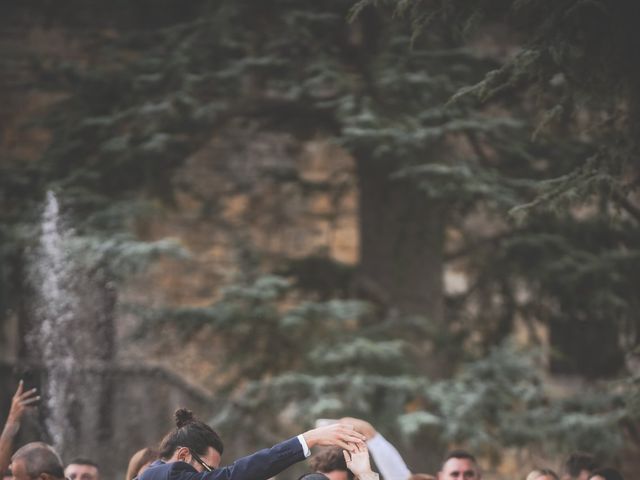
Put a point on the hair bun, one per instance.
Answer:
(183, 417)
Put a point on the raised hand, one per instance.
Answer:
(20, 402)
(361, 426)
(338, 434)
(358, 462)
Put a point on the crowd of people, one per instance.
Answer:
(193, 451)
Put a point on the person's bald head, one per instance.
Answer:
(36, 460)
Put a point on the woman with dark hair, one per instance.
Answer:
(606, 474)
(193, 451)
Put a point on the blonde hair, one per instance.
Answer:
(542, 472)
(139, 459)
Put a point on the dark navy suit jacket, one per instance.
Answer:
(261, 465)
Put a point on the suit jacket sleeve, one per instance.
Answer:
(261, 465)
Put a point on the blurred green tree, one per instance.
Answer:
(434, 162)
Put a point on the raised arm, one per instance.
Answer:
(342, 435)
(358, 462)
(387, 458)
(20, 402)
(269, 462)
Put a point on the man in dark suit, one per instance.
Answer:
(193, 451)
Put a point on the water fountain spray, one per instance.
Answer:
(56, 304)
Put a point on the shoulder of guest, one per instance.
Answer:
(181, 467)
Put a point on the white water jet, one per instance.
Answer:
(52, 276)
(91, 406)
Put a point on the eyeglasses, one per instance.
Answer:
(201, 462)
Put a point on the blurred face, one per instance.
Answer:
(337, 475)
(597, 477)
(211, 458)
(76, 471)
(459, 469)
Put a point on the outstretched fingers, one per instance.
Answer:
(347, 438)
(22, 400)
(28, 397)
(345, 445)
(351, 440)
(19, 390)
(358, 460)
(338, 434)
(30, 400)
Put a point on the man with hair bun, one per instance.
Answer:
(193, 451)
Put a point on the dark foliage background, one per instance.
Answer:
(495, 141)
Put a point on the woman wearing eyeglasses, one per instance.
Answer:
(193, 451)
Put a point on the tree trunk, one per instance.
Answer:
(401, 241)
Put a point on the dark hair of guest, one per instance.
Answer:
(197, 436)
(607, 474)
